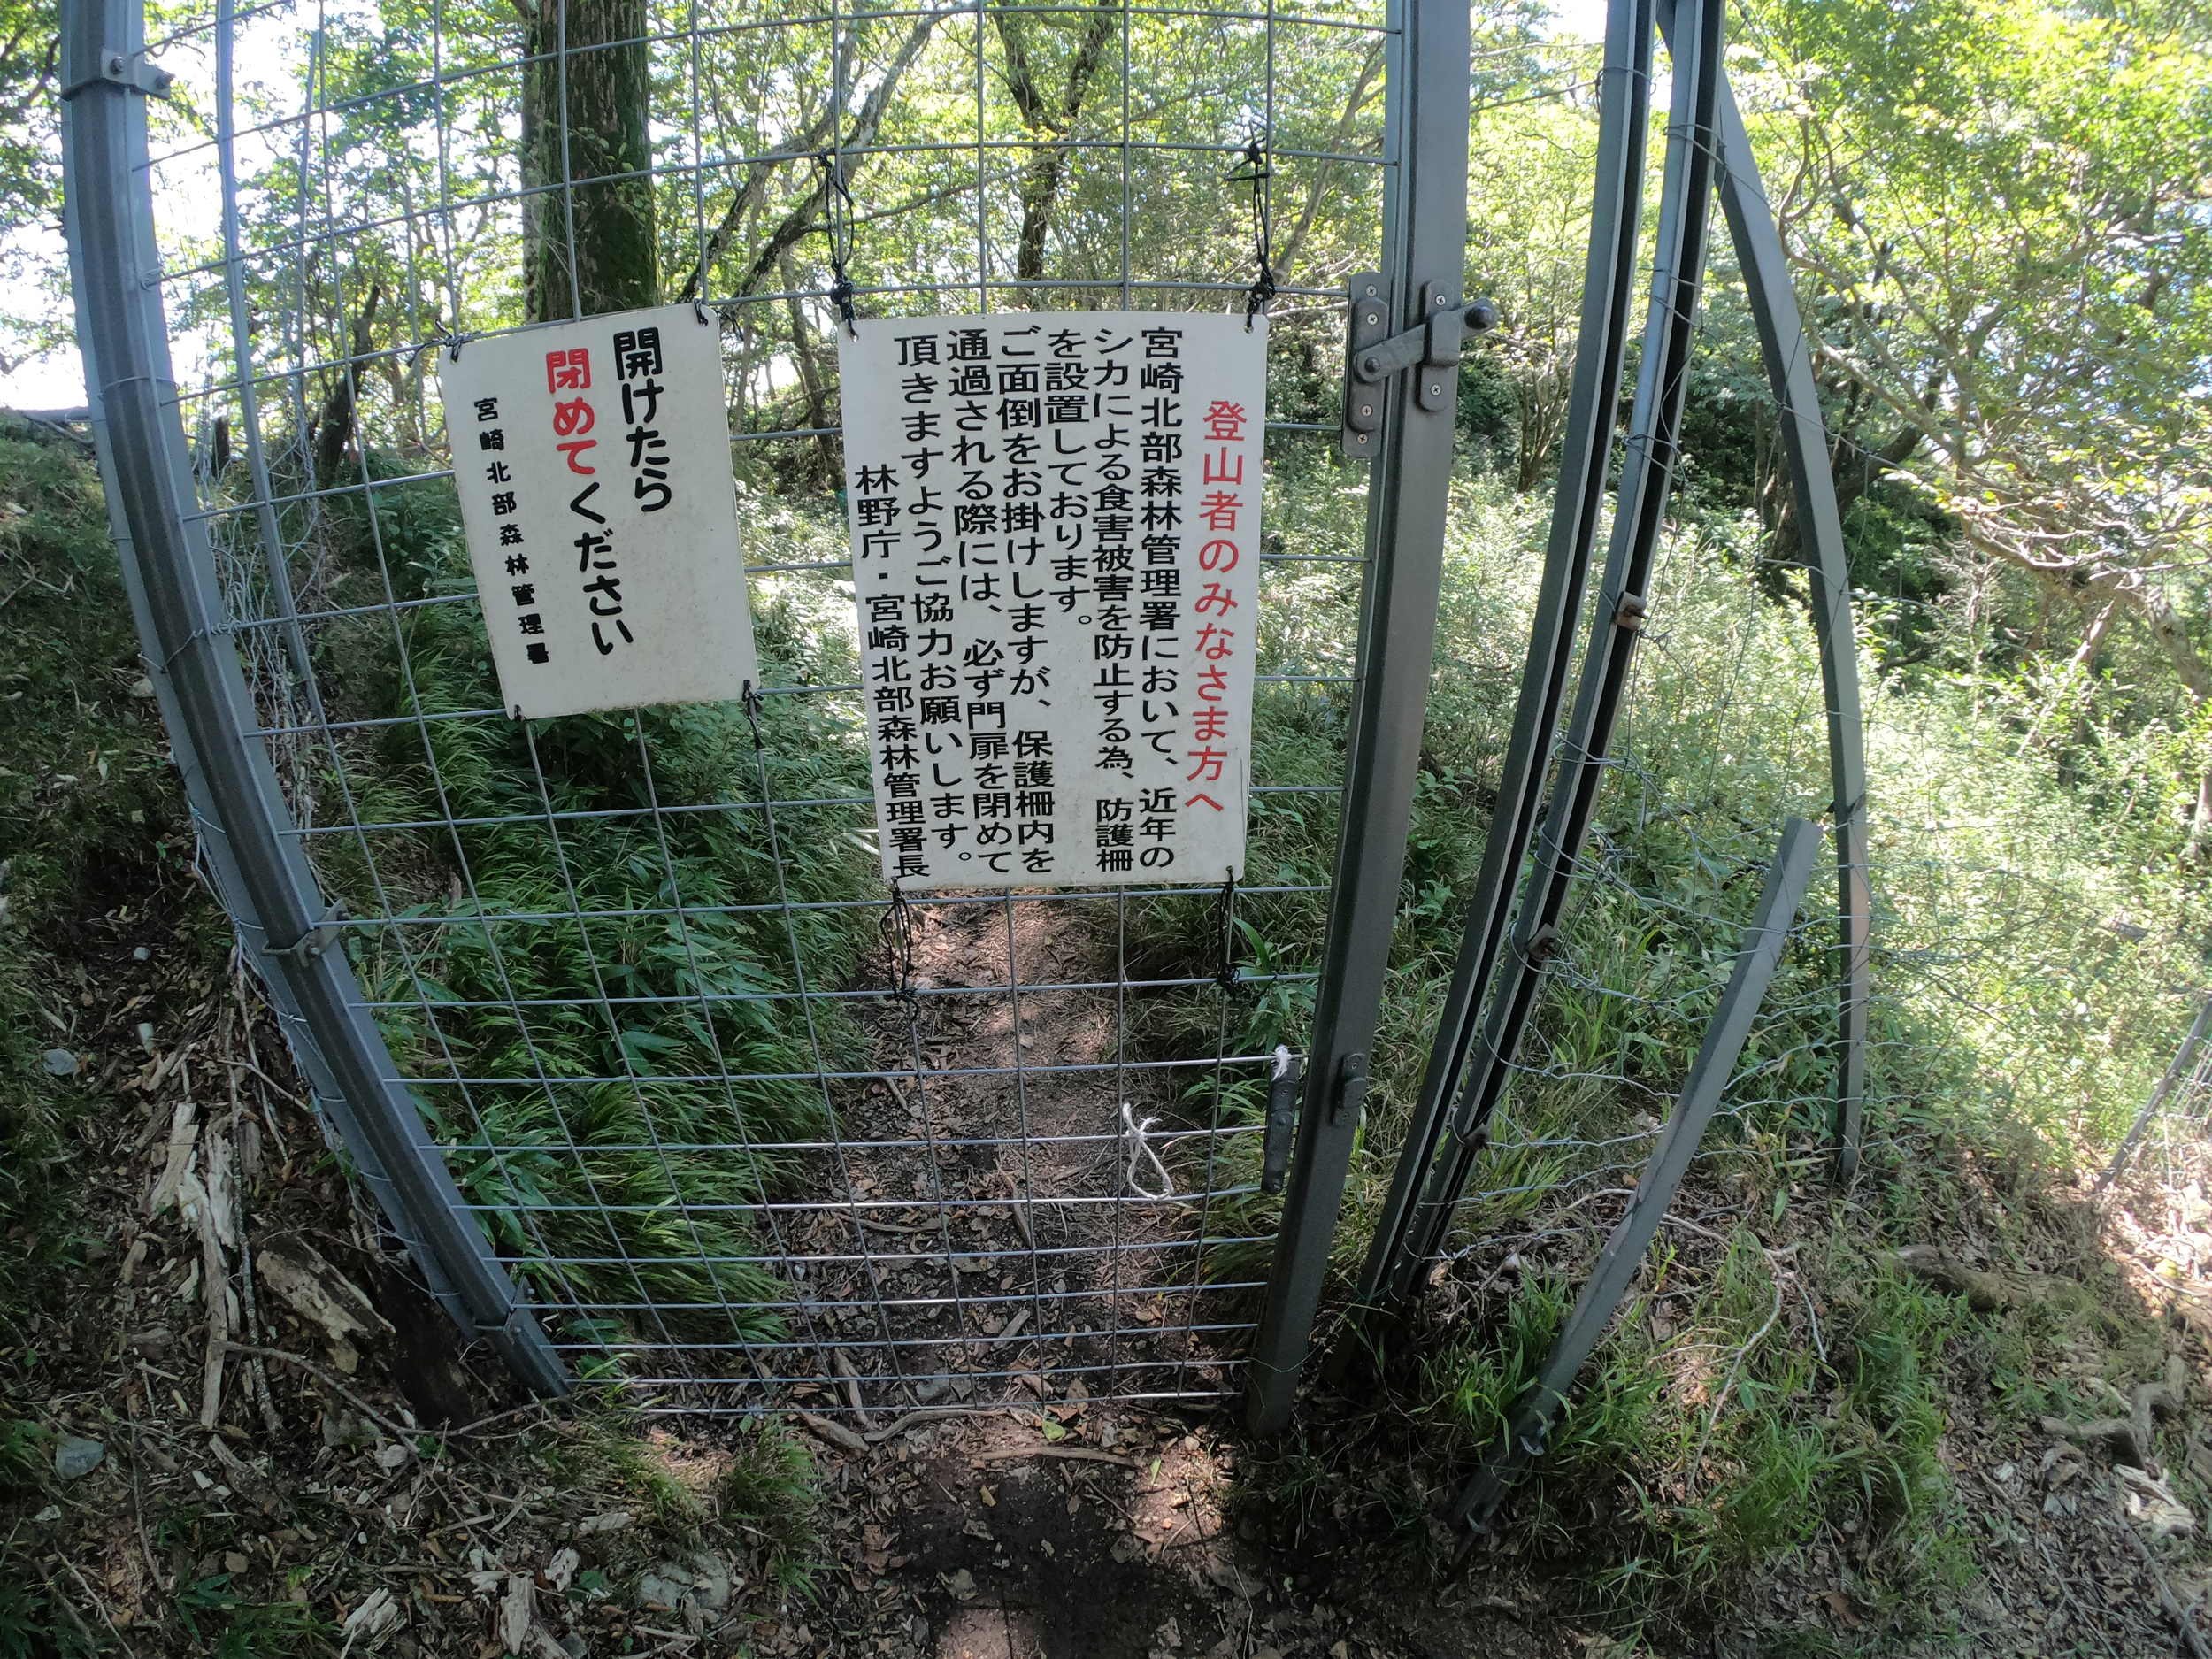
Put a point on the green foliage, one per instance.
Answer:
(605, 935)
(770, 1491)
(85, 793)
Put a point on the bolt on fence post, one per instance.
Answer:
(1426, 115)
(1523, 1439)
(246, 830)
(2174, 1074)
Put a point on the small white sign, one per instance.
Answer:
(1055, 530)
(593, 460)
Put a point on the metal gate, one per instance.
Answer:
(641, 1064)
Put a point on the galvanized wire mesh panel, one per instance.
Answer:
(749, 1132)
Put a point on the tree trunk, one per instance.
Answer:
(1324, 172)
(809, 374)
(333, 430)
(588, 246)
(1047, 168)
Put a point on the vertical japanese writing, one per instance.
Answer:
(491, 439)
(1032, 620)
(569, 370)
(637, 368)
(1224, 511)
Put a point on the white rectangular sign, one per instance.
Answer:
(1055, 530)
(593, 460)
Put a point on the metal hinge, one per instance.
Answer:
(1351, 1088)
(127, 70)
(1282, 1120)
(1373, 354)
(315, 940)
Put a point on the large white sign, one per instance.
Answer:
(1055, 530)
(593, 460)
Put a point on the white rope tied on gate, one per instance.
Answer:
(1282, 1062)
(1140, 1134)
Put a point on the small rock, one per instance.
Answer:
(2006, 1472)
(573, 1645)
(392, 1456)
(141, 955)
(1169, 1635)
(612, 1521)
(962, 1585)
(59, 1063)
(560, 1572)
(661, 1591)
(142, 686)
(51, 1512)
(77, 1457)
(710, 1581)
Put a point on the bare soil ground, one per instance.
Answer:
(1045, 1519)
(985, 1226)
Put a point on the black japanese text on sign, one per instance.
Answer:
(1056, 529)
(593, 462)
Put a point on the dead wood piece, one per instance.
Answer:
(1082, 1453)
(2116, 1437)
(876, 1436)
(398, 1435)
(836, 1433)
(2176, 1614)
(318, 1293)
(845, 1368)
(1932, 1265)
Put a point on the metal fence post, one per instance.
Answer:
(1789, 365)
(1586, 455)
(1620, 614)
(1426, 113)
(1724, 1037)
(2174, 1074)
(238, 808)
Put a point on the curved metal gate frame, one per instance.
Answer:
(238, 808)
(1708, 149)
(254, 849)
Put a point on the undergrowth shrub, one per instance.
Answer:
(590, 928)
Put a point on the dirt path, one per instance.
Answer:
(993, 1227)
(970, 1539)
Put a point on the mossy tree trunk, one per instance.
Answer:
(587, 222)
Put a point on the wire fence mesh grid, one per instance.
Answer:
(746, 1131)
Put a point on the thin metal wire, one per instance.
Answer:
(723, 1271)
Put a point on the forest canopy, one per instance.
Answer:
(1997, 215)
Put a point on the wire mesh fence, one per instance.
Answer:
(747, 1129)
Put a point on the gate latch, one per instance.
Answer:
(1373, 354)
(129, 69)
(1350, 1093)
